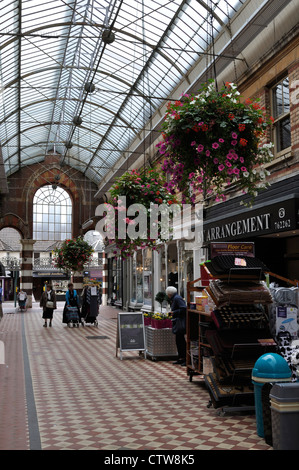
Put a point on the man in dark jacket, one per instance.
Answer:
(178, 310)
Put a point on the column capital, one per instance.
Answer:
(27, 243)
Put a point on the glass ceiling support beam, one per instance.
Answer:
(249, 28)
(141, 76)
(19, 80)
(125, 123)
(211, 12)
(59, 80)
(97, 66)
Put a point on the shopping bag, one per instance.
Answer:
(72, 314)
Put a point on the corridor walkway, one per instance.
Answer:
(64, 389)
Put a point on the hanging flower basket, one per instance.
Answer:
(211, 140)
(143, 189)
(72, 255)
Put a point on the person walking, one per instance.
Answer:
(178, 311)
(48, 303)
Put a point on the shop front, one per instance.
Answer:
(273, 227)
(58, 279)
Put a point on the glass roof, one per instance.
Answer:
(50, 50)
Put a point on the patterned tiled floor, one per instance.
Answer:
(83, 397)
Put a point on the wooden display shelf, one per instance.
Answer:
(195, 333)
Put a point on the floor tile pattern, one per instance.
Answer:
(88, 399)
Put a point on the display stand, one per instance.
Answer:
(230, 338)
(130, 334)
(195, 329)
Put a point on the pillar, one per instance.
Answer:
(26, 281)
(105, 280)
(77, 280)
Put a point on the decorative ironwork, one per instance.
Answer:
(13, 263)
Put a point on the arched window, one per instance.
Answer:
(52, 214)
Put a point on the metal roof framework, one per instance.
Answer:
(83, 78)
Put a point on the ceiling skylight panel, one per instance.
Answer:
(36, 14)
(8, 141)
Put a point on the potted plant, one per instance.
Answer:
(160, 298)
(211, 140)
(160, 320)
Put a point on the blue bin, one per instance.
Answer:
(270, 367)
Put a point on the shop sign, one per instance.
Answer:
(279, 217)
(232, 248)
(97, 273)
(50, 274)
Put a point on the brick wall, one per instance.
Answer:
(17, 205)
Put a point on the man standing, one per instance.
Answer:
(178, 311)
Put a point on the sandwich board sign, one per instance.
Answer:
(130, 332)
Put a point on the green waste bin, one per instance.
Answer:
(269, 368)
(284, 399)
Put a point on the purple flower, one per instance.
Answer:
(234, 135)
(208, 153)
(221, 140)
(215, 145)
(200, 148)
(216, 161)
(221, 167)
(234, 142)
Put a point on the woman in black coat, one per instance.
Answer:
(178, 310)
(48, 303)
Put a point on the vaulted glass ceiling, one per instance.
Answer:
(51, 49)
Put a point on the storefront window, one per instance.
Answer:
(147, 277)
(134, 280)
(172, 268)
(163, 268)
(139, 277)
(119, 281)
(115, 280)
(186, 266)
(281, 112)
